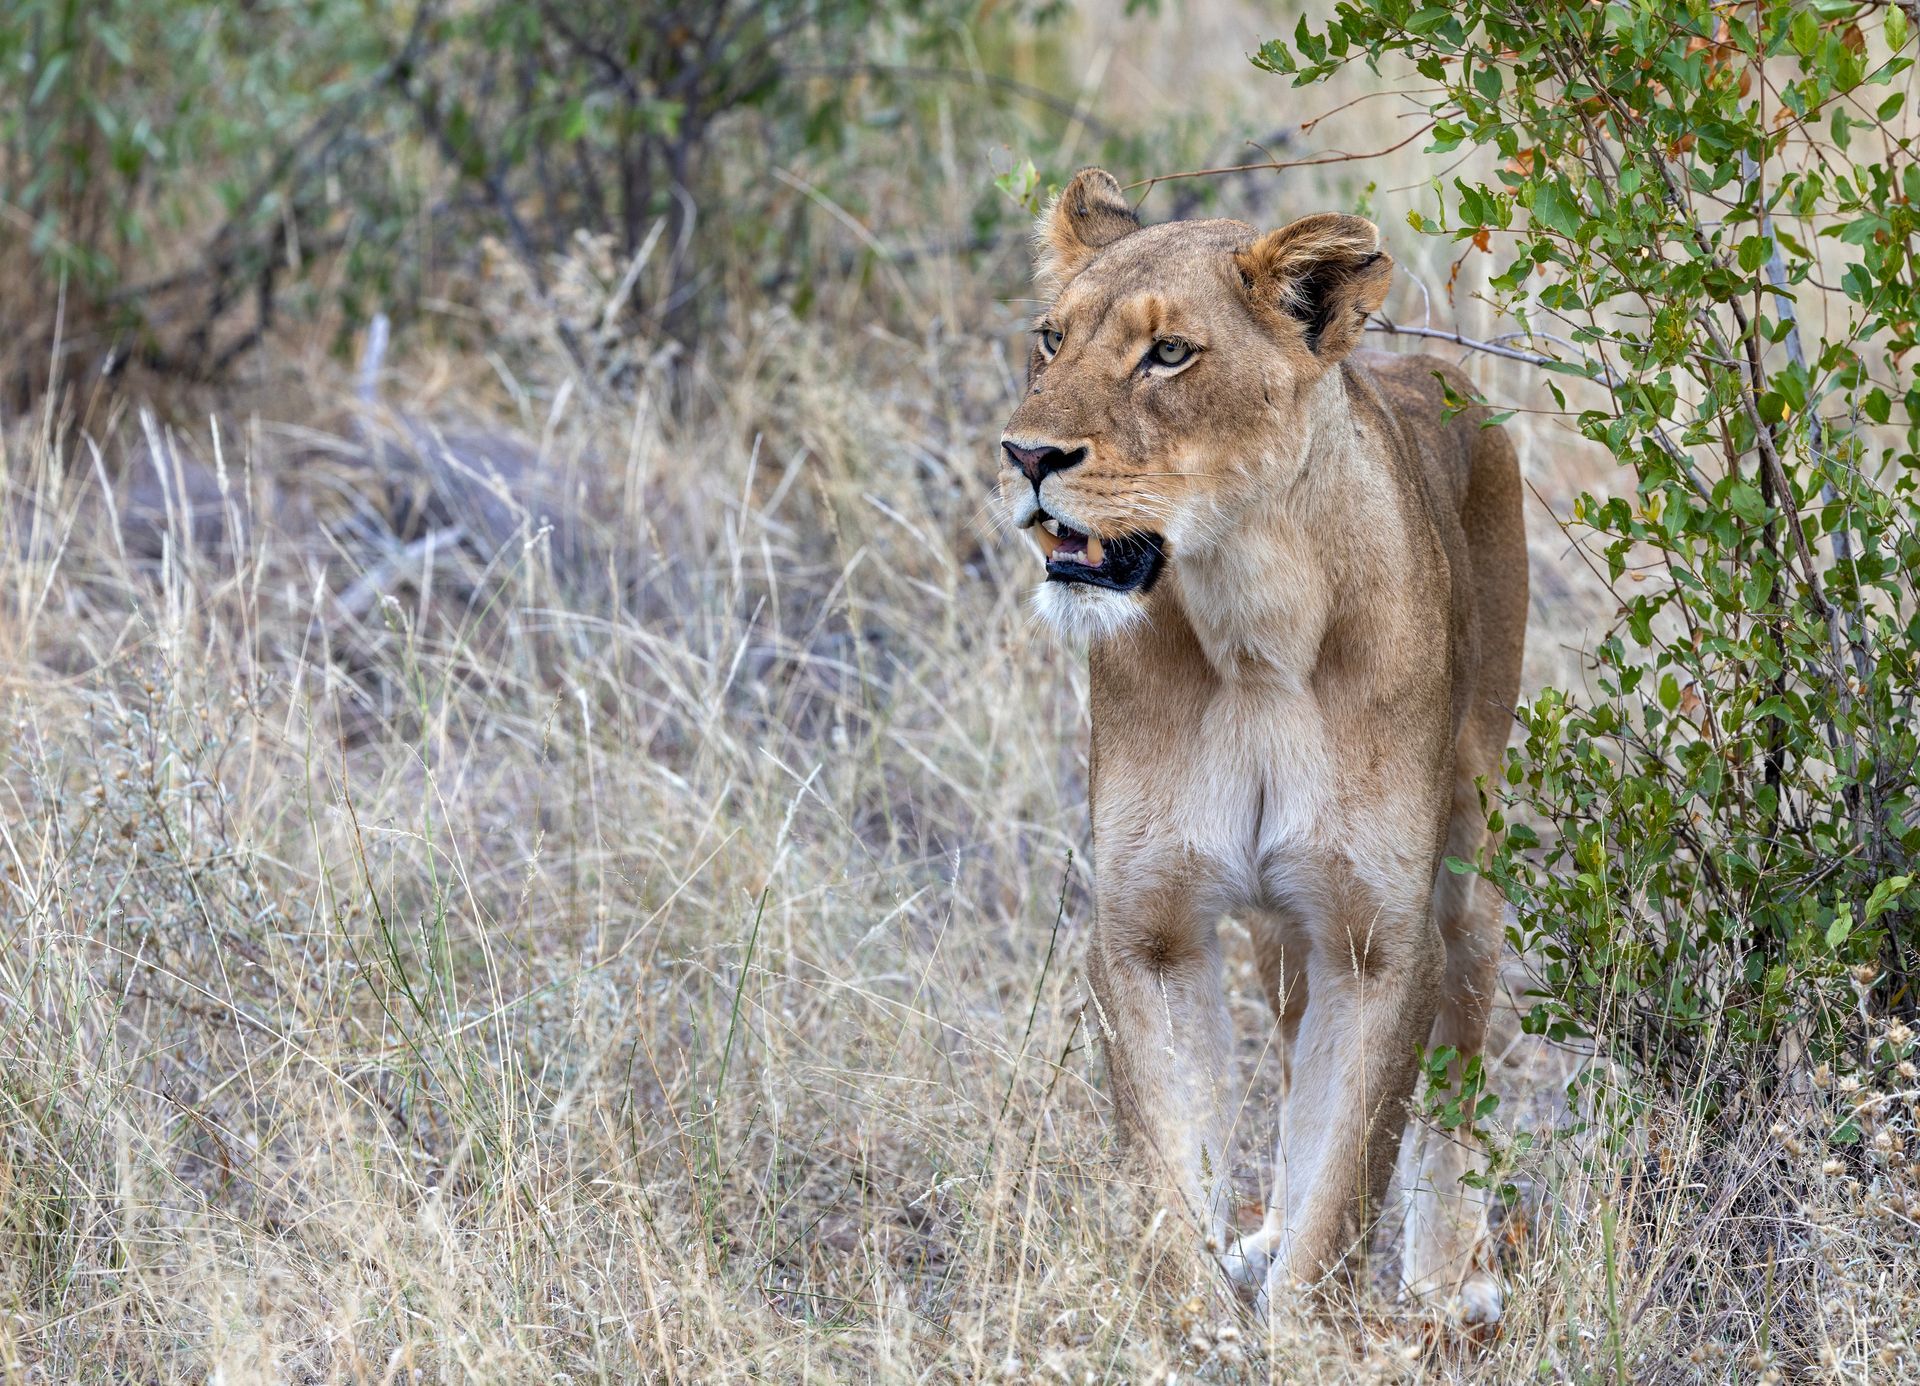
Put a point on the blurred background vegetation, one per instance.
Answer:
(176, 178)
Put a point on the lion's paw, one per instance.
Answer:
(1480, 1300)
(1246, 1262)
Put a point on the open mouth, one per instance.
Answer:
(1121, 563)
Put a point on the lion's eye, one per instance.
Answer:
(1171, 352)
(1050, 340)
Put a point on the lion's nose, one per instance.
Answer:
(1037, 463)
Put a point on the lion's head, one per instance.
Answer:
(1169, 386)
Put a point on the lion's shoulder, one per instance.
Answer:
(1434, 435)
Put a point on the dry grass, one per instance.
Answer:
(641, 941)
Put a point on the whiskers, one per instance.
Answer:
(993, 517)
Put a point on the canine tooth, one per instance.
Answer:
(1093, 550)
(1046, 539)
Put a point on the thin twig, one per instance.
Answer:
(1274, 165)
(993, 80)
(1534, 358)
(1531, 358)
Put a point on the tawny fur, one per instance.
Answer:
(1289, 724)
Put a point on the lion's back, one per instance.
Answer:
(1472, 475)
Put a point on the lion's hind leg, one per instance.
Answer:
(1445, 1257)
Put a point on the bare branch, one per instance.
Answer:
(1276, 164)
(1597, 368)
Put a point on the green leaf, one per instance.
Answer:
(1804, 33)
(1274, 56)
(1743, 498)
(1884, 896)
(1021, 185)
(1554, 205)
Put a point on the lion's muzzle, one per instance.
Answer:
(1036, 462)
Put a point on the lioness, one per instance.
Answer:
(1305, 592)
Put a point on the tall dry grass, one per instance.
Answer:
(624, 924)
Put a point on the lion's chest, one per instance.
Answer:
(1239, 799)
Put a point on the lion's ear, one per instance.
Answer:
(1326, 271)
(1089, 216)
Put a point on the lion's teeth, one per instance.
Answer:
(1046, 539)
(1093, 550)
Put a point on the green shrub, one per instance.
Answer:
(175, 172)
(174, 166)
(1708, 211)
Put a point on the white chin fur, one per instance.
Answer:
(1084, 613)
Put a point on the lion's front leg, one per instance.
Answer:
(1160, 1009)
(1372, 986)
